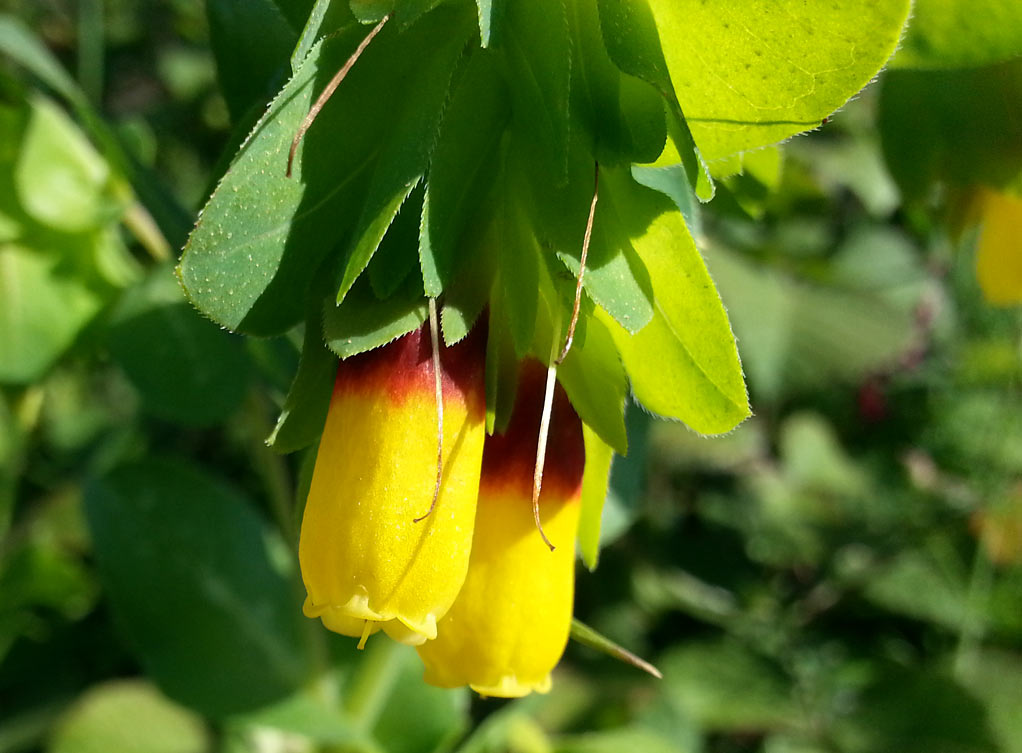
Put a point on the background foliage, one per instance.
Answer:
(842, 573)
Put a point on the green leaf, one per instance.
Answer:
(462, 169)
(468, 295)
(596, 384)
(960, 34)
(622, 115)
(518, 260)
(249, 71)
(325, 15)
(370, 11)
(61, 180)
(128, 715)
(397, 254)
(961, 127)
(310, 716)
(364, 322)
(437, 716)
(42, 309)
(295, 11)
(755, 74)
(186, 369)
(262, 237)
(301, 420)
(684, 363)
(615, 276)
(633, 43)
(595, 480)
(537, 53)
(194, 579)
(403, 163)
(488, 19)
(673, 182)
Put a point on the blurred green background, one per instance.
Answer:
(842, 573)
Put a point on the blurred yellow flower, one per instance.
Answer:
(509, 625)
(365, 562)
(999, 254)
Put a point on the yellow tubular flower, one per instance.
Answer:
(365, 562)
(510, 624)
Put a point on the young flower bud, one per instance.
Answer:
(367, 564)
(509, 625)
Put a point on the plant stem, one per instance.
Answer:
(142, 225)
(376, 678)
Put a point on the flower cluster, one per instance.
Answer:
(471, 584)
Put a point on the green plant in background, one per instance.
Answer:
(840, 573)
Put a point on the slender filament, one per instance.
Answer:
(551, 375)
(434, 336)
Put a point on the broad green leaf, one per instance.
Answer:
(194, 578)
(961, 34)
(186, 369)
(596, 384)
(128, 715)
(42, 309)
(684, 363)
(537, 54)
(263, 236)
(599, 455)
(252, 43)
(957, 126)
(622, 115)
(61, 180)
(754, 74)
(301, 420)
(462, 169)
(364, 322)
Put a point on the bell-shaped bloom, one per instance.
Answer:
(366, 563)
(510, 624)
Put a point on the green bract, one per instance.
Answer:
(457, 160)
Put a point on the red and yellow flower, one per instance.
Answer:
(366, 563)
(510, 623)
